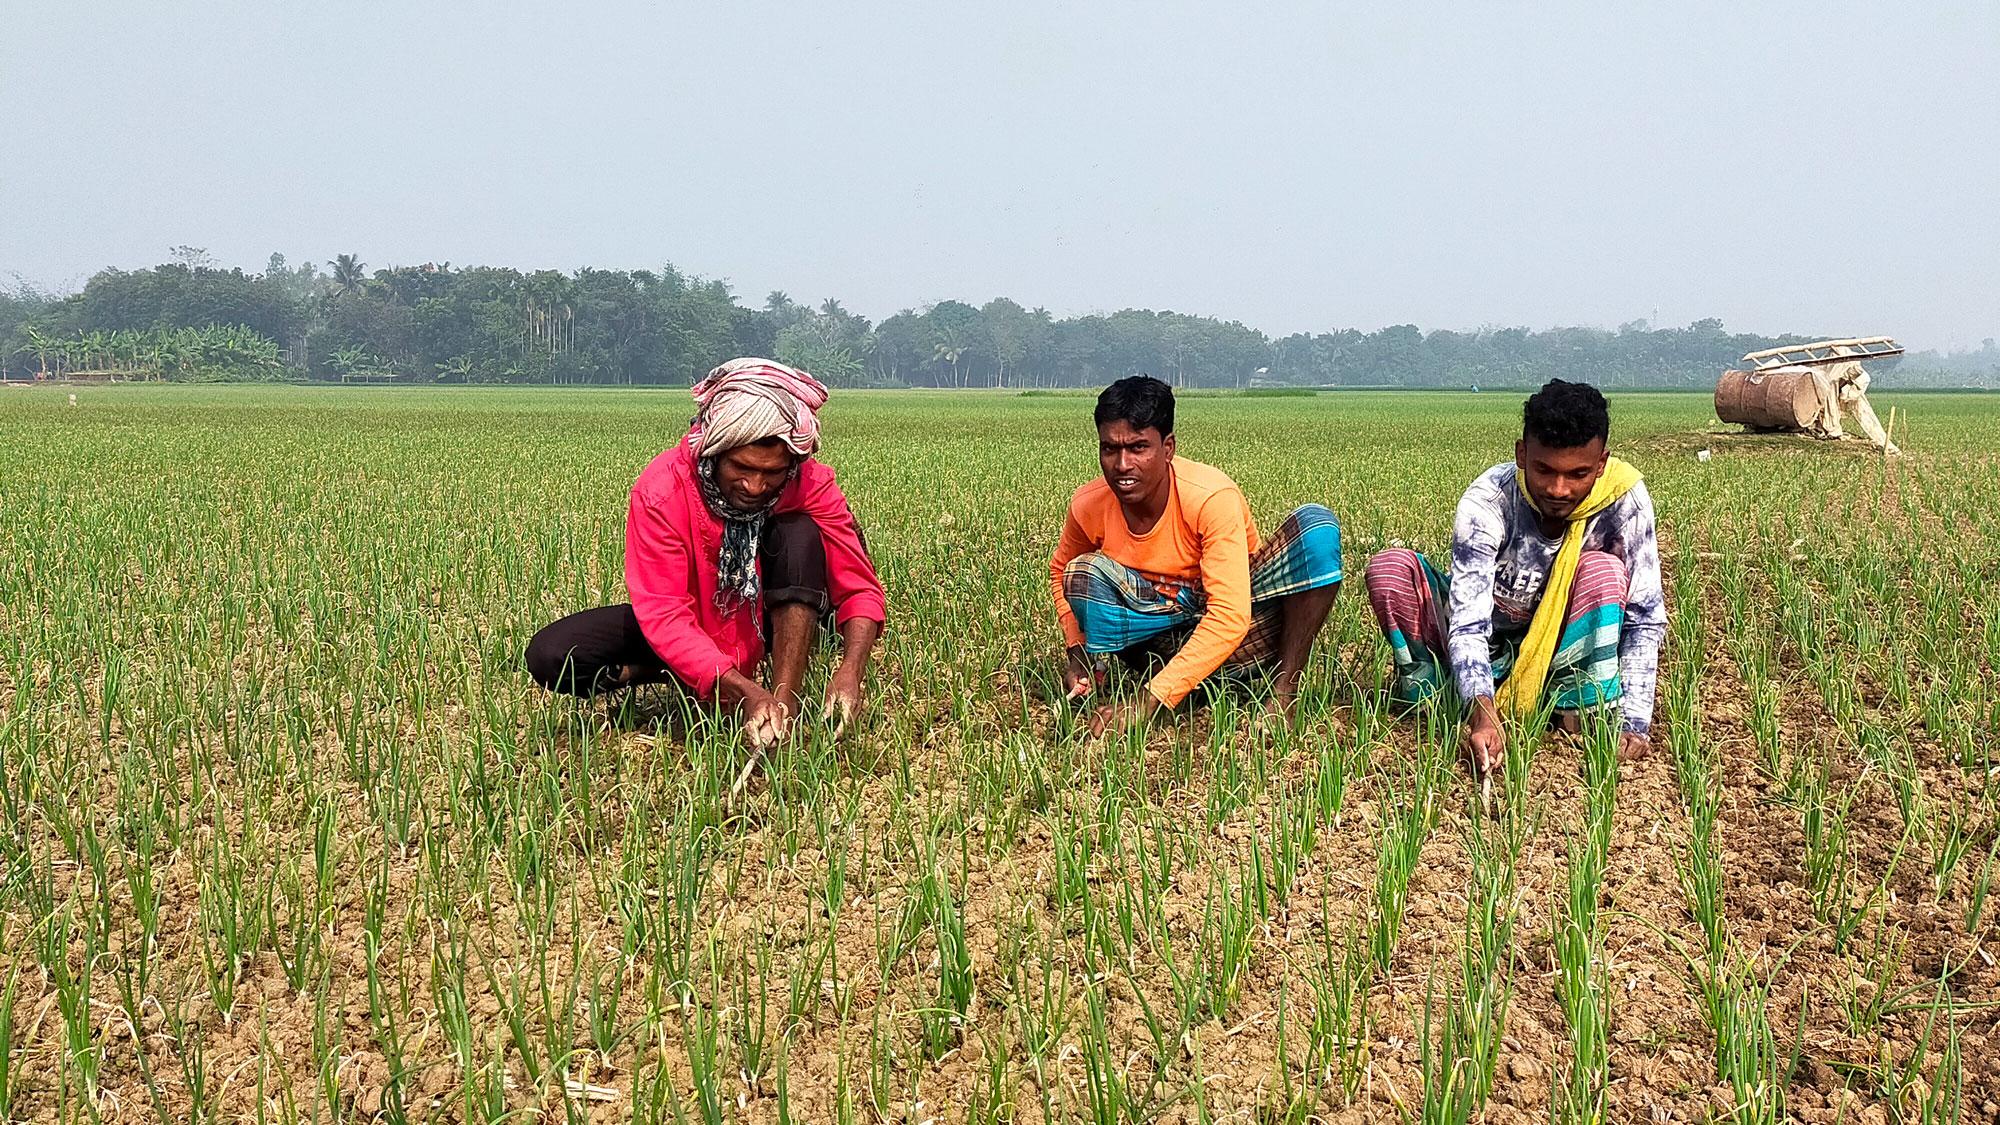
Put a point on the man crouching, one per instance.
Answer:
(1160, 559)
(736, 538)
(1553, 598)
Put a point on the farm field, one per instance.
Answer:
(287, 834)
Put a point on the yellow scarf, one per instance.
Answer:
(1522, 692)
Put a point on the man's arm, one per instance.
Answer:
(1224, 527)
(657, 578)
(1075, 540)
(843, 691)
(853, 587)
(860, 605)
(1476, 535)
(1475, 548)
(1645, 613)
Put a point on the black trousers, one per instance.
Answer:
(582, 654)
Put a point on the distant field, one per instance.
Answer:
(285, 832)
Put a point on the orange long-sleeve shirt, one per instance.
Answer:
(1204, 540)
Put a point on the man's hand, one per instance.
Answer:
(844, 691)
(843, 697)
(1119, 718)
(1634, 745)
(766, 719)
(1485, 739)
(1078, 680)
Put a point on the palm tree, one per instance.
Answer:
(949, 349)
(349, 275)
(548, 313)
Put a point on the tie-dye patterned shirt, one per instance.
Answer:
(1500, 560)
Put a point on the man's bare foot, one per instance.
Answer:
(1569, 722)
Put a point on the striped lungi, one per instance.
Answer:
(1409, 596)
(1121, 610)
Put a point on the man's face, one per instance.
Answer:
(751, 475)
(1559, 479)
(1135, 462)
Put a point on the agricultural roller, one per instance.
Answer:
(1804, 388)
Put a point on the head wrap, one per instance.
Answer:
(744, 401)
(749, 400)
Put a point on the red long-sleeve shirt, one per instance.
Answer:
(672, 543)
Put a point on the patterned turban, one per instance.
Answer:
(748, 400)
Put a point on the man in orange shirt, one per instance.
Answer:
(1160, 559)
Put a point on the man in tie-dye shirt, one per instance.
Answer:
(1510, 526)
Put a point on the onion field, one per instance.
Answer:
(287, 834)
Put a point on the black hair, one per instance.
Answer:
(1138, 401)
(1565, 415)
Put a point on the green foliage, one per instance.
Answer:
(832, 343)
(215, 354)
(437, 323)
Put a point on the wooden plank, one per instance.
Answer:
(1858, 347)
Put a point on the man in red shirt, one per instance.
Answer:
(736, 541)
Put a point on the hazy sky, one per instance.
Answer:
(1812, 167)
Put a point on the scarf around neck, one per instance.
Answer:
(1521, 694)
(737, 583)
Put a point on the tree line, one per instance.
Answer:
(190, 319)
